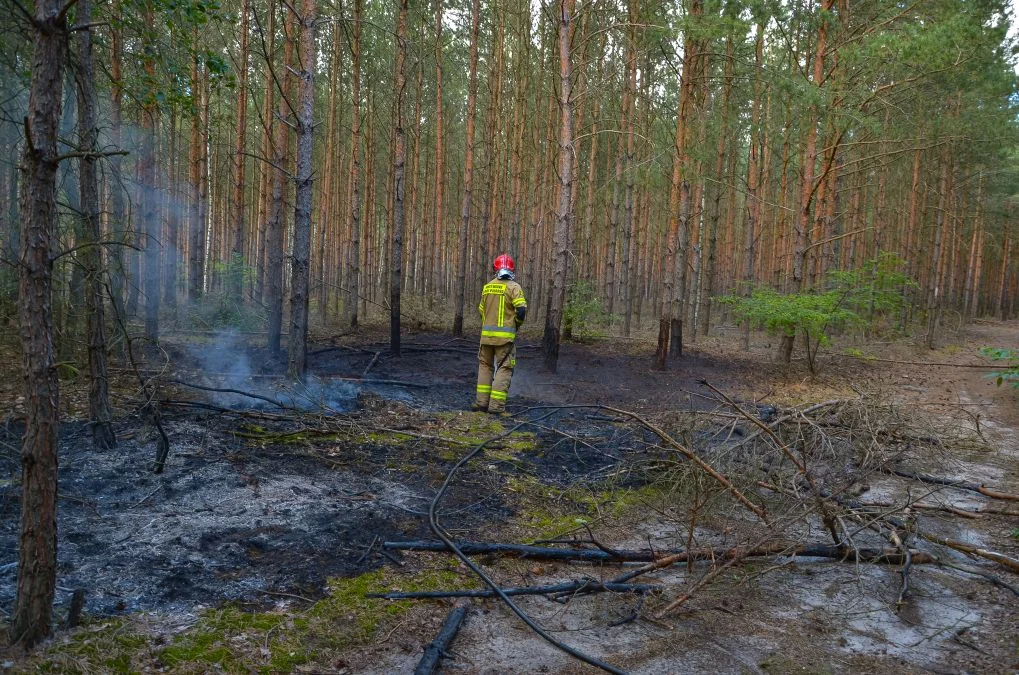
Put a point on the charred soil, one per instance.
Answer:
(266, 528)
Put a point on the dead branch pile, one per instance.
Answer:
(747, 481)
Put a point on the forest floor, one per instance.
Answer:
(254, 549)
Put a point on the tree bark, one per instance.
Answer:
(100, 415)
(670, 324)
(437, 214)
(629, 96)
(196, 227)
(274, 229)
(399, 163)
(118, 223)
(564, 215)
(935, 290)
(37, 551)
(807, 183)
(235, 268)
(149, 224)
(297, 342)
(465, 208)
(750, 229)
(708, 287)
(354, 252)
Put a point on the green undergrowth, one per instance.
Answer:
(546, 512)
(230, 639)
(448, 432)
(107, 645)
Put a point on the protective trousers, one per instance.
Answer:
(495, 370)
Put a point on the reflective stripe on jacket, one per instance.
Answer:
(500, 299)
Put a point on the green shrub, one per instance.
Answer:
(848, 300)
(583, 311)
(1010, 374)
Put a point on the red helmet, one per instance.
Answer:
(504, 262)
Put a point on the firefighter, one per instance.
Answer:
(502, 308)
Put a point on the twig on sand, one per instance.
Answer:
(371, 364)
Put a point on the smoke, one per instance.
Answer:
(226, 364)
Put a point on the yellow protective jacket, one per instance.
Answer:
(499, 302)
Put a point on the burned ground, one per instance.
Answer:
(264, 508)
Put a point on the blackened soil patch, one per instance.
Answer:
(233, 518)
(226, 521)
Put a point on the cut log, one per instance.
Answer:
(437, 647)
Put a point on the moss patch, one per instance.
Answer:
(109, 646)
(547, 512)
(229, 639)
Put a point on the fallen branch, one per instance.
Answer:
(962, 513)
(980, 573)
(827, 517)
(1000, 558)
(529, 552)
(229, 390)
(437, 647)
(398, 383)
(583, 585)
(659, 559)
(981, 366)
(953, 482)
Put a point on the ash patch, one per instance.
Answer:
(224, 522)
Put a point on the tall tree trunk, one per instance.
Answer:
(629, 96)
(708, 271)
(196, 228)
(670, 324)
(150, 224)
(911, 223)
(807, 183)
(971, 268)
(297, 342)
(399, 162)
(174, 248)
(37, 550)
(236, 263)
(274, 229)
(354, 252)
(978, 265)
(100, 415)
(437, 214)
(118, 222)
(465, 209)
(327, 209)
(750, 228)
(935, 291)
(564, 215)
(1006, 246)
(266, 172)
